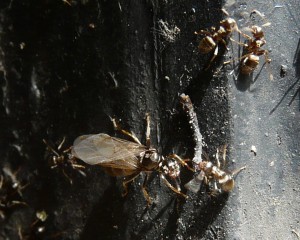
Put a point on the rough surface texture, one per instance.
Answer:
(67, 66)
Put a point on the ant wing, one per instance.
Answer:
(205, 156)
(195, 184)
(107, 151)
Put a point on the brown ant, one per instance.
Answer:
(253, 48)
(63, 159)
(119, 157)
(213, 175)
(216, 36)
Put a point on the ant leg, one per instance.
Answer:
(236, 59)
(206, 180)
(268, 60)
(20, 189)
(117, 127)
(215, 191)
(292, 100)
(181, 161)
(19, 232)
(218, 171)
(148, 130)
(225, 12)
(177, 184)
(224, 151)
(67, 2)
(1, 181)
(61, 144)
(244, 34)
(239, 43)
(171, 187)
(50, 148)
(262, 16)
(126, 182)
(14, 203)
(237, 171)
(225, 44)
(205, 156)
(213, 57)
(204, 32)
(66, 175)
(78, 166)
(145, 192)
(217, 159)
(68, 150)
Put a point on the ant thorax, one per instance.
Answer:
(220, 34)
(149, 159)
(170, 167)
(150, 154)
(257, 32)
(260, 43)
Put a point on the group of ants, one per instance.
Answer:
(252, 47)
(124, 158)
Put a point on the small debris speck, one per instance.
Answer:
(253, 149)
(283, 70)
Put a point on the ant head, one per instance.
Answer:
(257, 32)
(229, 24)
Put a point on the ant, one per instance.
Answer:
(63, 159)
(216, 36)
(253, 48)
(119, 157)
(213, 175)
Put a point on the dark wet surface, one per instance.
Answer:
(67, 67)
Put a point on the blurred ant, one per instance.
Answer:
(63, 159)
(10, 192)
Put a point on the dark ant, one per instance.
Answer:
(63, 159)
(119, 157)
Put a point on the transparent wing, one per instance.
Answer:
(107, 151)
(195, 184)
